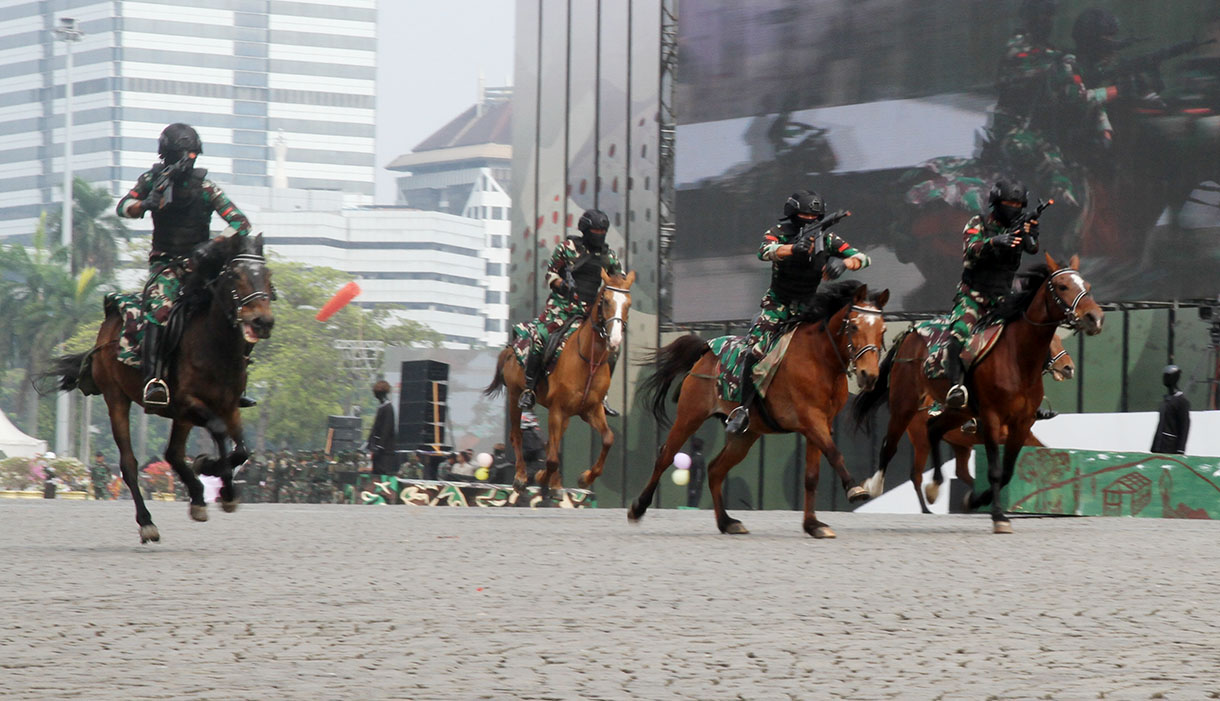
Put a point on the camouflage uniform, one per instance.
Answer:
(531, 337)
(100, 476)
(1043, 103)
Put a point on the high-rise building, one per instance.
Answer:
(244, 73)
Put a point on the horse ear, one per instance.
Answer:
(1051, 261)
(861, 294)
(630, 278)
(1074, 264)
(883, 298)
(258, 243)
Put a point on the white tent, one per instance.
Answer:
(14, 443)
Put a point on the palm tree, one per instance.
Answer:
(95, 229)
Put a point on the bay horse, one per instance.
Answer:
(226, 307)
(1059, 365)
(1005, 386)
(576, 387)
(840, 337)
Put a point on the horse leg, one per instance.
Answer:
(520, 479)
(1012, 449)
(230, 496)
(995, 470)
(735, 448)
(902, 411)
(919, 441)
(175, 455)
(120, 428)
(220, 466)
(814, 444)
(679, 433)
(557, 424)
(597, 419)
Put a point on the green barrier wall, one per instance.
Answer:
(1090, 483)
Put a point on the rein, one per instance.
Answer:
(848, 365)
(599, 325)
(228, 272)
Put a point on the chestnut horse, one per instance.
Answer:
(226, 299)
(842, 336)
(1059, 366)
(576, 387)
(1005, 386)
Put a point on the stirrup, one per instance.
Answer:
(526, 401)
(739, 420)
(156, 384)
(606, 408)
(971, 426)
(958, 397)
(244, 402)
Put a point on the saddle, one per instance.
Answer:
(128, 306)
(554, 344)
(935, 333)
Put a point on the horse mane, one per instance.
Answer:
(829, 300)
(1015, 303)
(206, 263)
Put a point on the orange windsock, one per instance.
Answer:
(345, 294)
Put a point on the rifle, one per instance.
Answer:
(1151, 62)
(162, 192)
(810, 231)
(1018, 227)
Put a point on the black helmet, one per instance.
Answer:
(176, 141)
(804, 202)
(590, 220)
(1096, 33)
(1007, 191)
(1038, 17)
(1171, 375)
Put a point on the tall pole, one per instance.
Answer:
(68, 34)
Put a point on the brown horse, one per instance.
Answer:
(576, 387)
(226, 305)
(1005, 386)
(841, 337)
(1059, 366)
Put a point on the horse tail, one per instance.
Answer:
(64, 375)
(497, 382)
(673, 360)
(867, 403)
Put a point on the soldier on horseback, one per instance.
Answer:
(574, 276)
(798, 265)
(181, 200)
(991, 255)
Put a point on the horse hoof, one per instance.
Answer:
(149, 533)
(229, 506)
(519, 486)
(1001, 526)
(931, 491)
(875, 485)
(823, 532)
(583, 482)
(633, 516)
(199, 513)
(736, 528)
(857, 494)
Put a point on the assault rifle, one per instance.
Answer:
(162, 192)
(1018, 226)
(811, 231)
(1150, 62)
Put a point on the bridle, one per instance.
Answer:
(848, 363)
(1050, 363)
(1070, 319)
(256, 266)
(600, 323)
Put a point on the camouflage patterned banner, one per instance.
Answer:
(387, 489)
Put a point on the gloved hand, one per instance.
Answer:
(802, 247)
(1005, 240)
(834, 268)
(562, 289)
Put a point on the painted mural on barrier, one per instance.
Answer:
(1094, 483)
(387, 489)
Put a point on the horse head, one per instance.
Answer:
(238, 278)
(1073, 296)
(1058, 363)
(863, 335)
(610, 311)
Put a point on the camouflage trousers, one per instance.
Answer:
(156, 301)
(772, 317)
(1029, 153)
(531, 337)
(969, 305)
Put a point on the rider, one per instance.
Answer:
(574, 276)
(991, 255)
(797, 266)
(181, 217)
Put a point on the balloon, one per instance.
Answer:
(681, 477)
(345, 294)
(481, 473)
(483, 459)
(682, 461)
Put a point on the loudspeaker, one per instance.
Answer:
(422, 409)
(342, 433)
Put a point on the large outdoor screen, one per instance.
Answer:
(888, 108)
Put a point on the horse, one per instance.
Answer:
(576, 387)
(840, 337)
(1006, 384)
(226, 308)
(1059, 365)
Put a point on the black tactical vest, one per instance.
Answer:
(797, 278)
(993, 273)
(587, 273)
(186, 222)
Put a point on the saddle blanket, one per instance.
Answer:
(127, 306)
(525, 333)
(935, 333)
(731, 351)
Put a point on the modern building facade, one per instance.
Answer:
(244, 73)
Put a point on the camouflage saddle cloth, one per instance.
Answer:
(961, 183)
(935, 333)
(731, 351)
(556, 340)
(128, 307)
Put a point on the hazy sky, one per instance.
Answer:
(429, 56)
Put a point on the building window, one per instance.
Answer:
(493, 324)
(499, 241)
(497, 212)
(495, 269)
(495, 297)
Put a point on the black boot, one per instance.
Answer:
(246, 402)
(606, 400)
(1041, 414)
(532, 369)
(955, 370)
(739, 418)
(156, 392)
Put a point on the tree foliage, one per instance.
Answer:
(96, 229)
